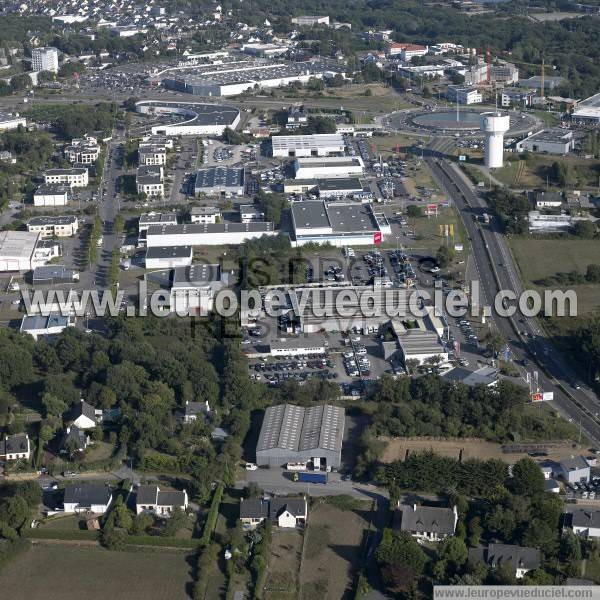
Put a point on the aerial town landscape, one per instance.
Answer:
(299, 300)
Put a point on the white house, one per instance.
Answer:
(583, 520)
(85, 416)
(574, 470)
(285, 512)
(14, 447)
(194, 409)
(87, 497)
(150, 498)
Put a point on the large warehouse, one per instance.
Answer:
(197, 118)
(319, 144)
(337, 224)
(219, 180)
(206, 234)
(292, 434)
(328, 166)
(548, 141)
(588, 111)
(236, 77)
(17, 251)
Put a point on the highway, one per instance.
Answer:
(497, 270)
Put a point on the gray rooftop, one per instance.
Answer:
(52, 220)
(554, 135)
(14, 443)
(37, 322)
(518, 557)
(86, 494)
(297, 428)
(219, 177)
(199, 113)
(157, 218)
(209, 228)
(587, 516)
(198, 274)
(423, 519)
(47, 272)
(574, 463)
(168, 252)
(52, 189)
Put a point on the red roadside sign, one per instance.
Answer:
(377, 238)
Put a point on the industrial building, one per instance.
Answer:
(340, 187)
(219, 180)
(8, 121)
(59, 226)
(587, 111)
(464, 95)
(233, 78)
(40, 326)
(75, 177)
(149, 180)
(546, 223)
(319, 144)
(205, 214)
(53, 275)
(197, 118)
(154, 218)
(18, 251)
(301, 346)
(310, 20)
(328, 167)
(250, 214)
(52, 195)
(337, 224)
(419, 339)
(293, 434)
(209, 234)
(169, 257)
(194, 288)
(44, 59)
(548, 141)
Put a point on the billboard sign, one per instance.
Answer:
(377, 238)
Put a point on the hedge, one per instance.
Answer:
(156, 540)
(213, 514)
(59, 534)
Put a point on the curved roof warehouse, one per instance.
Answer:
(197, 118)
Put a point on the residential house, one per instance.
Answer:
(583, 520)
(194, 409)
(431, 523)
(150, 498)
(284, 512)
(574, 470)
(15, 447)
(87, 497)
(85, 416)
(519, 559)
(74, 440)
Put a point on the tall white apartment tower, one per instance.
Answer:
(494, 125)
(44, 59)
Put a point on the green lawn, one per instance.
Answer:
(60, 572)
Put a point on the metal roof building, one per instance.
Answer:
(318, 144)
(292, 433)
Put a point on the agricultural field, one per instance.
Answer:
(284, 564)
(71, 573)
(539, 259)
(333, 554)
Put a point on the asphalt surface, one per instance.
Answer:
(497, 270)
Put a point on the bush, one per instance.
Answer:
(211, 519)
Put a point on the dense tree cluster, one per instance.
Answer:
(511, 209)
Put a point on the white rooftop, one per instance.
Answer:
(18, 244)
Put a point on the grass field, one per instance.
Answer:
(283, 564)
(397, 448)
(72, 573)
(539, 259)
(333, 554)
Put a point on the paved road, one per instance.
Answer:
(497, 270)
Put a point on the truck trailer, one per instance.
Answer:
(309, 477)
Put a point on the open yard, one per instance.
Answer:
(539, 259)
(397, 449)
(65, 573)
(333, 554)
(284, 564)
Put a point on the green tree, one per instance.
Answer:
(527, 478)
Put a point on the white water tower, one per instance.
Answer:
(494, 125)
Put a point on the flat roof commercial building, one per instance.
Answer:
(38, 325)
(292, 434)
(548, 141)
(337, 224)
(588, 110)
(339, 187)
(196, 118)
(154, 218)
(17, 250)
(220, 180)
(207, 234)
(54, 274)
(10, 121)
(52, 195)
(193, 289)
(75, 177)
(328, 167)
(320, 144)
(59, 226)
(169, 257)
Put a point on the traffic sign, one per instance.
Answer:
(538, 397)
